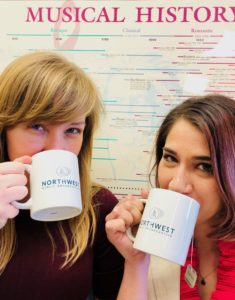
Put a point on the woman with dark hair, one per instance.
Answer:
(195, 156)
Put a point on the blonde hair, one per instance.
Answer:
(46, 86)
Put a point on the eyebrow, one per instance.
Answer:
(200, 157)
(78, 123)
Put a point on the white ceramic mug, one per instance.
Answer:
(54, 186)
(167, 225)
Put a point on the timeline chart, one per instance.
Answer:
(144, 56)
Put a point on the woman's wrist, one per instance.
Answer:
(135, 279)
(139, 265)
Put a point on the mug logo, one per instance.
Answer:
(63, 171)
(151, 223)
(156, 213)
(63, 181)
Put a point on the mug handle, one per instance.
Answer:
(129, 231)
(28, 204)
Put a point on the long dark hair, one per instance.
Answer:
(214, 115)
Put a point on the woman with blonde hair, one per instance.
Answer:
(47, 102)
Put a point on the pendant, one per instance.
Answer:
(203, 282)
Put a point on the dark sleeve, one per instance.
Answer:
(108, 263)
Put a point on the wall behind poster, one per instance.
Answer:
(145, 57)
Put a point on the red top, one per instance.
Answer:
(225, 287)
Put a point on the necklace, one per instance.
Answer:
(191, 274)
(203, 278)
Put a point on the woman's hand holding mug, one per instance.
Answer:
(126, 213)
(12, 187)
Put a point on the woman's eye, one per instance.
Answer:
(205, 167)
(73, 130)
(38, 127)
(169, 158)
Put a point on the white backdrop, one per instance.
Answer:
(145, 57)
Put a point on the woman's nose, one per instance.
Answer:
(180, 183)
(54, 142)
